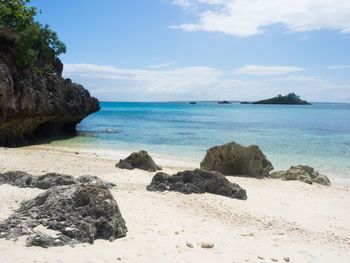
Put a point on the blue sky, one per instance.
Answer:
(154, 50)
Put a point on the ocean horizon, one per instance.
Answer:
(317, 135)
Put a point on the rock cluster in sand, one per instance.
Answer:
(302, 173)
(46, 181)
(197, 181)
(76, 213)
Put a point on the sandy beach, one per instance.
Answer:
(280, 220)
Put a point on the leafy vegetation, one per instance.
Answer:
(32, 41)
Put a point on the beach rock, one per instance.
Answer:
(49, 180)
(37, 103)
(235, 159)
(141, 160)
(90, 179)
(78, 213)
(46, 181)
(17, 178)
(190, 245)
(23, 179)
(207, 245)
(197, 181)
(302, 173)
(42, 240)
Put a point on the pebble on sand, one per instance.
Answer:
(190, 245)
(207, 245)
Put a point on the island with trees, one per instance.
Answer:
(290, 99)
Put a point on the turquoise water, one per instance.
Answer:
(317, 135)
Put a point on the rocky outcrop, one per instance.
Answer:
(46, 181)
(197, 181)
(235, 159)
(38, 103)
(290, 99)
(224, 102)
(69, 215)
(141, 160)
(302, 173)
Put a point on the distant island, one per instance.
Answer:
(224, 102)
(193, 102)
(291, 98)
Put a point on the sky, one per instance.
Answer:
(174, 50)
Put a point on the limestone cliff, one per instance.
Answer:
(37, 103)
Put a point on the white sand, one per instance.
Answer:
(307, 223)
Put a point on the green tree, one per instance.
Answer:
(32, 40)
(16, 14)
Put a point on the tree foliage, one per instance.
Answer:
(16, 14)
(32, 40)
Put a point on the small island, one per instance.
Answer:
(290, 99)
(224, 102)
(193, 102)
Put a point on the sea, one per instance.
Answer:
(317, 135)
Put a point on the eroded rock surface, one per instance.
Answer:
(46, 181)
(302, 173)
(91, 179)
(35, 104)
(197, 181)
(76, 213)
(141, 160)
(235, 159)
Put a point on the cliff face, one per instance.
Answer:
(39, 103)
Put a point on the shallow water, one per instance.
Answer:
(317, 134)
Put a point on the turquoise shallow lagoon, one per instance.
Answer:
(317, 134)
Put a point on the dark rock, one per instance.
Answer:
(89, 179)
(235, 159)
(49, 180)
(78, 213)
(46, 181)
(22, 179)
(140, 160)
(291, 99)
(35, 104)
(193, 102)
(17, 178)
(302, 173)
(42, 240)
(197, 181)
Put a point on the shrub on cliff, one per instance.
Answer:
(31, 40)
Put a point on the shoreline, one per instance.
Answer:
(172, 161)
(307, 223)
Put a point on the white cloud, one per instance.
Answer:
(202, 83)
(258, 70)
(143, 82)
(339, 67)
(183, 3)
(244, 18)
(304, 38)
(163, 65)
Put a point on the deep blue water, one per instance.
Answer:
(317, 134)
